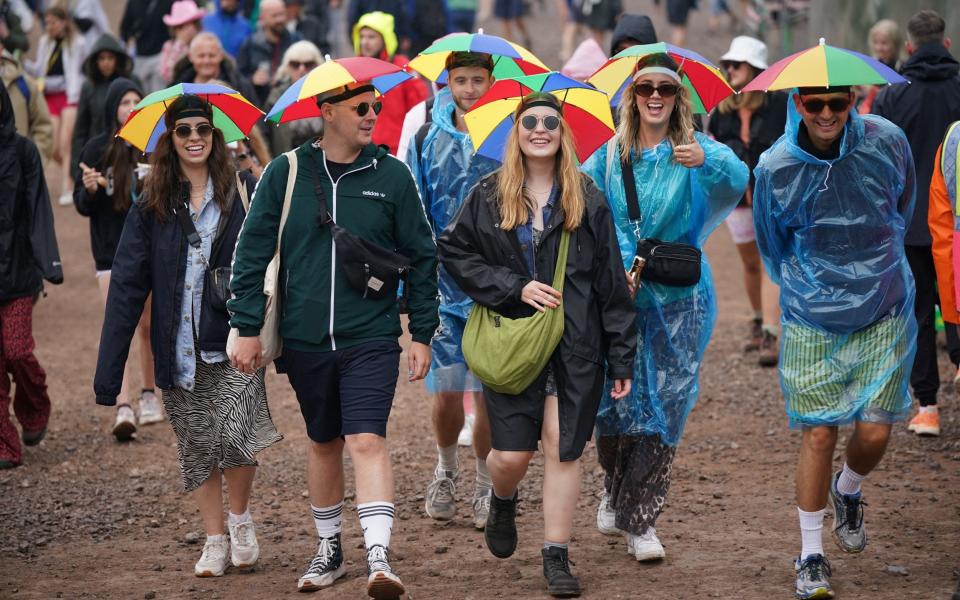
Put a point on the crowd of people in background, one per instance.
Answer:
(841, 201)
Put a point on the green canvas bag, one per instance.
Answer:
(507, 354)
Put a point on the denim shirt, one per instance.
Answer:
(525, 233)
(206, 220)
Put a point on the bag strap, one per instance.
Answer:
(182, 212)
(242, 190)
(630, 187)
(560, 271)
(287, 194)
(325, 218)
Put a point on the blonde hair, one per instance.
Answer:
(890, 30)
(303, 51)
(681, 119)
(748, 100)
(514, 203)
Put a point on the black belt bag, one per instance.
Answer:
(216, 281)
(370, 269)
(667, 263)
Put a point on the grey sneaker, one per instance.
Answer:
(382, 582)
(848, 529)
(481, 507)
(813, 575)
(440, 502)
(125, 426)
(151, 410)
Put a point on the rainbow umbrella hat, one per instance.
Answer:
(824, 66)
(299, 101)
(703, 79)
(509, 59)
(586, 111)
(233, 114)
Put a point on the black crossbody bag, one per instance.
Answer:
(669, 263)
(216, 282)
(372, 270)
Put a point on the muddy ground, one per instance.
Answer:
(86, 517)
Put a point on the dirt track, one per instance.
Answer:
(85, 517)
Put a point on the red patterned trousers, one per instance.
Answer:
(31, 404)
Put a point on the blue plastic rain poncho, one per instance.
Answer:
(831, 236)
(445, 171)
(674, 324)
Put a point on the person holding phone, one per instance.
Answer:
(536, 202)
(668, 187)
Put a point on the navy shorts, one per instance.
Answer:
(347, 391)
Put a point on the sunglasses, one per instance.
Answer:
(645, 90)
(364, 107)
(815, 106)
(296, 64)
(203, 130)
(732, 65)
(550, 122)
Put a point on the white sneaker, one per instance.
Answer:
(214, 560)
(244, 549)
(126, 425)
(606, 517)
(646, 547)
(151, 411)
(466, 434)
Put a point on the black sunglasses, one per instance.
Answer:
(645, 90)
(296, 64)
(732, 64)
(550, 122)
(814, 106)
(203, 130)
(364, 107)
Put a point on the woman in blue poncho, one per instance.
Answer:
(686, 184)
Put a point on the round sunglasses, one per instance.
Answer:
(666, 90)
(364, 107)
(183, 131)
(815, 106)
(550, 122)
(307, 64)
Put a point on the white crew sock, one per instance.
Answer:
(376, 520)
(448, 458)
(328, 520)
(929, 409)
(849, 481)
(237, 519)
(483, 476)
(811, 530)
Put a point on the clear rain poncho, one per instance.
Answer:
(445, 172)
(674, 324)
(831, 236)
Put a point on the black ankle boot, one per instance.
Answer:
(556, 570)
(501, 530)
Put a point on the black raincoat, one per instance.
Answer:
(487, 264)
(28, 244)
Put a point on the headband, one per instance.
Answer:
(346, 94)
(548, 103)
(661, 70)
(192, 106)
(836, 89)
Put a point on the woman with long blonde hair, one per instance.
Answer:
(682, 184)
(502, 249)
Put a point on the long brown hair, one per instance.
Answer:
(60, 11)
(122, 158)
(515, 203)
(162, 184)
(681, 119)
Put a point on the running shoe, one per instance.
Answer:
(925, 423)
(848, 529)
(646, 547)
(244, 549)
(813, 575)
(500, 534)
(481, 507)
(606, 517)
(325, 568)
(556, 570)
(215, 557)
(382, 582)
(769, 350)
(466, 434)
(440, 501)
(125, 426)
(151, 411)
(754, 337)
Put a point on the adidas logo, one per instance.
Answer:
(373, 194)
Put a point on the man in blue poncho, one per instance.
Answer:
(445, 167)
(833, 200)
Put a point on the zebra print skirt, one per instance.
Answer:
(223, 423)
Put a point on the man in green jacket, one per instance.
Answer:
(340, 348)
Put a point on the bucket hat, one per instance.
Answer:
(746, 49)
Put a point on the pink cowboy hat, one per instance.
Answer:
(183, 11)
